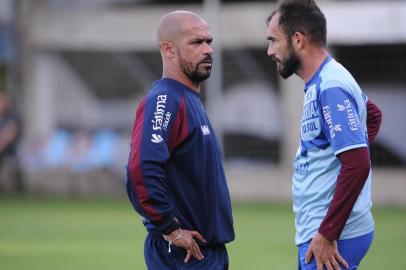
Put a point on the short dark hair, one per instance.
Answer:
(302, 16)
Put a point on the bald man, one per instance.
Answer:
(175, 176)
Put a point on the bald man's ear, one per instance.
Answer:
(167, 49)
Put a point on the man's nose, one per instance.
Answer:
(271, 51)
(208, 49)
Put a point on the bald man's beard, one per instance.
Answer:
(196, 72)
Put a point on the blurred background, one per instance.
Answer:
(73, 71)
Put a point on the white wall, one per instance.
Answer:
(349, 22)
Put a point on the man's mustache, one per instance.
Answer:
(207, 60)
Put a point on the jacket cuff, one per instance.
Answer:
(169, 226)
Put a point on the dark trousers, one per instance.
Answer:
(157, 256)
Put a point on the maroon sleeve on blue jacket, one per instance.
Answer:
(374, 119)
(152, 143)
(134, 165)
(355, 167)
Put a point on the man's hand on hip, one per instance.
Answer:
(325, 253)
(187, 241)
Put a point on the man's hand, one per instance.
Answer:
(325, 253)
(188, 242)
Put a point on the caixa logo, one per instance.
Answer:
(156, 138)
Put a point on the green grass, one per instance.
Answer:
(107, 234)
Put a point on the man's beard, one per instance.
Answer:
(194, 73)
(289, 66)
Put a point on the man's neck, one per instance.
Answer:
(182, 78)
(311, 62)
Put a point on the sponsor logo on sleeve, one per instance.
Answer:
(166, 121)
(160, 119)
(353, 120)
(159, 113)
(205, 130)
(340, 107)
(156, 138)
(337, 128)
(328, 120)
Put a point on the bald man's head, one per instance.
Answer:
(174, 24)
(185, 44)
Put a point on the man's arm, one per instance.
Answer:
(146, 172)
(374, 119)
(355, 167)
(151, 147)
(352, 151)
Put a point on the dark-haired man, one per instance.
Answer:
(331, 180)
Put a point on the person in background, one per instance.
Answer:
(175, 176)
(9, 135)
(332, 169)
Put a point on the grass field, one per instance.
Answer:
(59, 234)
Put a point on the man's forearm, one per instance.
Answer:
(355, 167)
